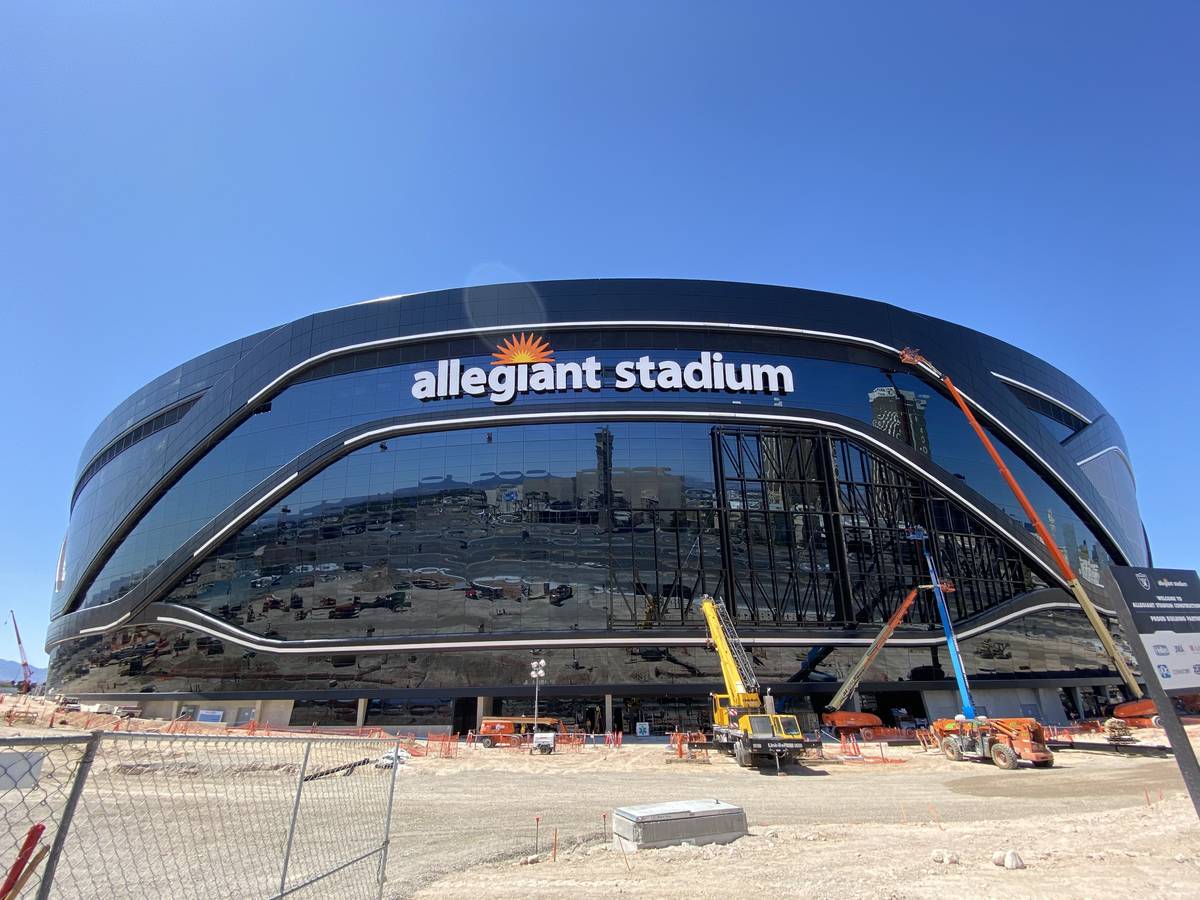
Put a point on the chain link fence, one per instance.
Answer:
(143, 815)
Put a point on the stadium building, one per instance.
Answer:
(381, 513)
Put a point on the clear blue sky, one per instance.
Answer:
(173, 176)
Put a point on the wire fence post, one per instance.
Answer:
(387, 822)
(287, 852)
(60, 836)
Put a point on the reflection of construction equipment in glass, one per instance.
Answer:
(913, 357)
(742, 725)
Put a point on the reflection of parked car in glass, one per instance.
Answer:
(991, 649)
(484, 592)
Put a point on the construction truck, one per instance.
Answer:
(1003, 741)
(743, 727)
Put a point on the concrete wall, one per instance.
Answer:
(267, 712)
(999, 702)
(158, 709)
(276, 713)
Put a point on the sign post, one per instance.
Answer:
(1160, 616)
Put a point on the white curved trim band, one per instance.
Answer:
(1114, 449)
(559, 326)
(222, 630)
(367, 437)
(1025, 387)
(95, 629)
(244, 514)
(280, 379)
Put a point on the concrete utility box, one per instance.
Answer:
(677, 822)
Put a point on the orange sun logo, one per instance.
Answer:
(515, 350)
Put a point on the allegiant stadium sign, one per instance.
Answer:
(525, 365)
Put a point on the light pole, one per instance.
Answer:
(537, 671)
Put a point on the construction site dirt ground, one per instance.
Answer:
(1093, 825)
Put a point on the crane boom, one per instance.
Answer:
(960, 672)
(26, 672)
(913, 357)
(740, 682)
(851, 682)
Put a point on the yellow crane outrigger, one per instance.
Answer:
(742, 726)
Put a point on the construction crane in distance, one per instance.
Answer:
(912, 357)
(26, 673)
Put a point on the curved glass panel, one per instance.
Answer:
(92, 516)
(597, 526)
(1110, 475)
(166, 659)
(310, 411)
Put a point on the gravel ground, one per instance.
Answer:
(855, 830)
(209, 819)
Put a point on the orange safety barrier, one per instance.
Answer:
(849, 748)
(927, 740)
(572, 741)
(882, 733)
(442, 746)
(1064, 734)
(691, 745)
(852, 752)
(518, 742)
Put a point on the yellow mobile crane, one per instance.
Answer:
(742, 726)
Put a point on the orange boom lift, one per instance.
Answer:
(912, 357)
(852, 721)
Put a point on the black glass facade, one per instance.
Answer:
(322, 406)
(173, 661)
(608, 516)
(597, 526)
